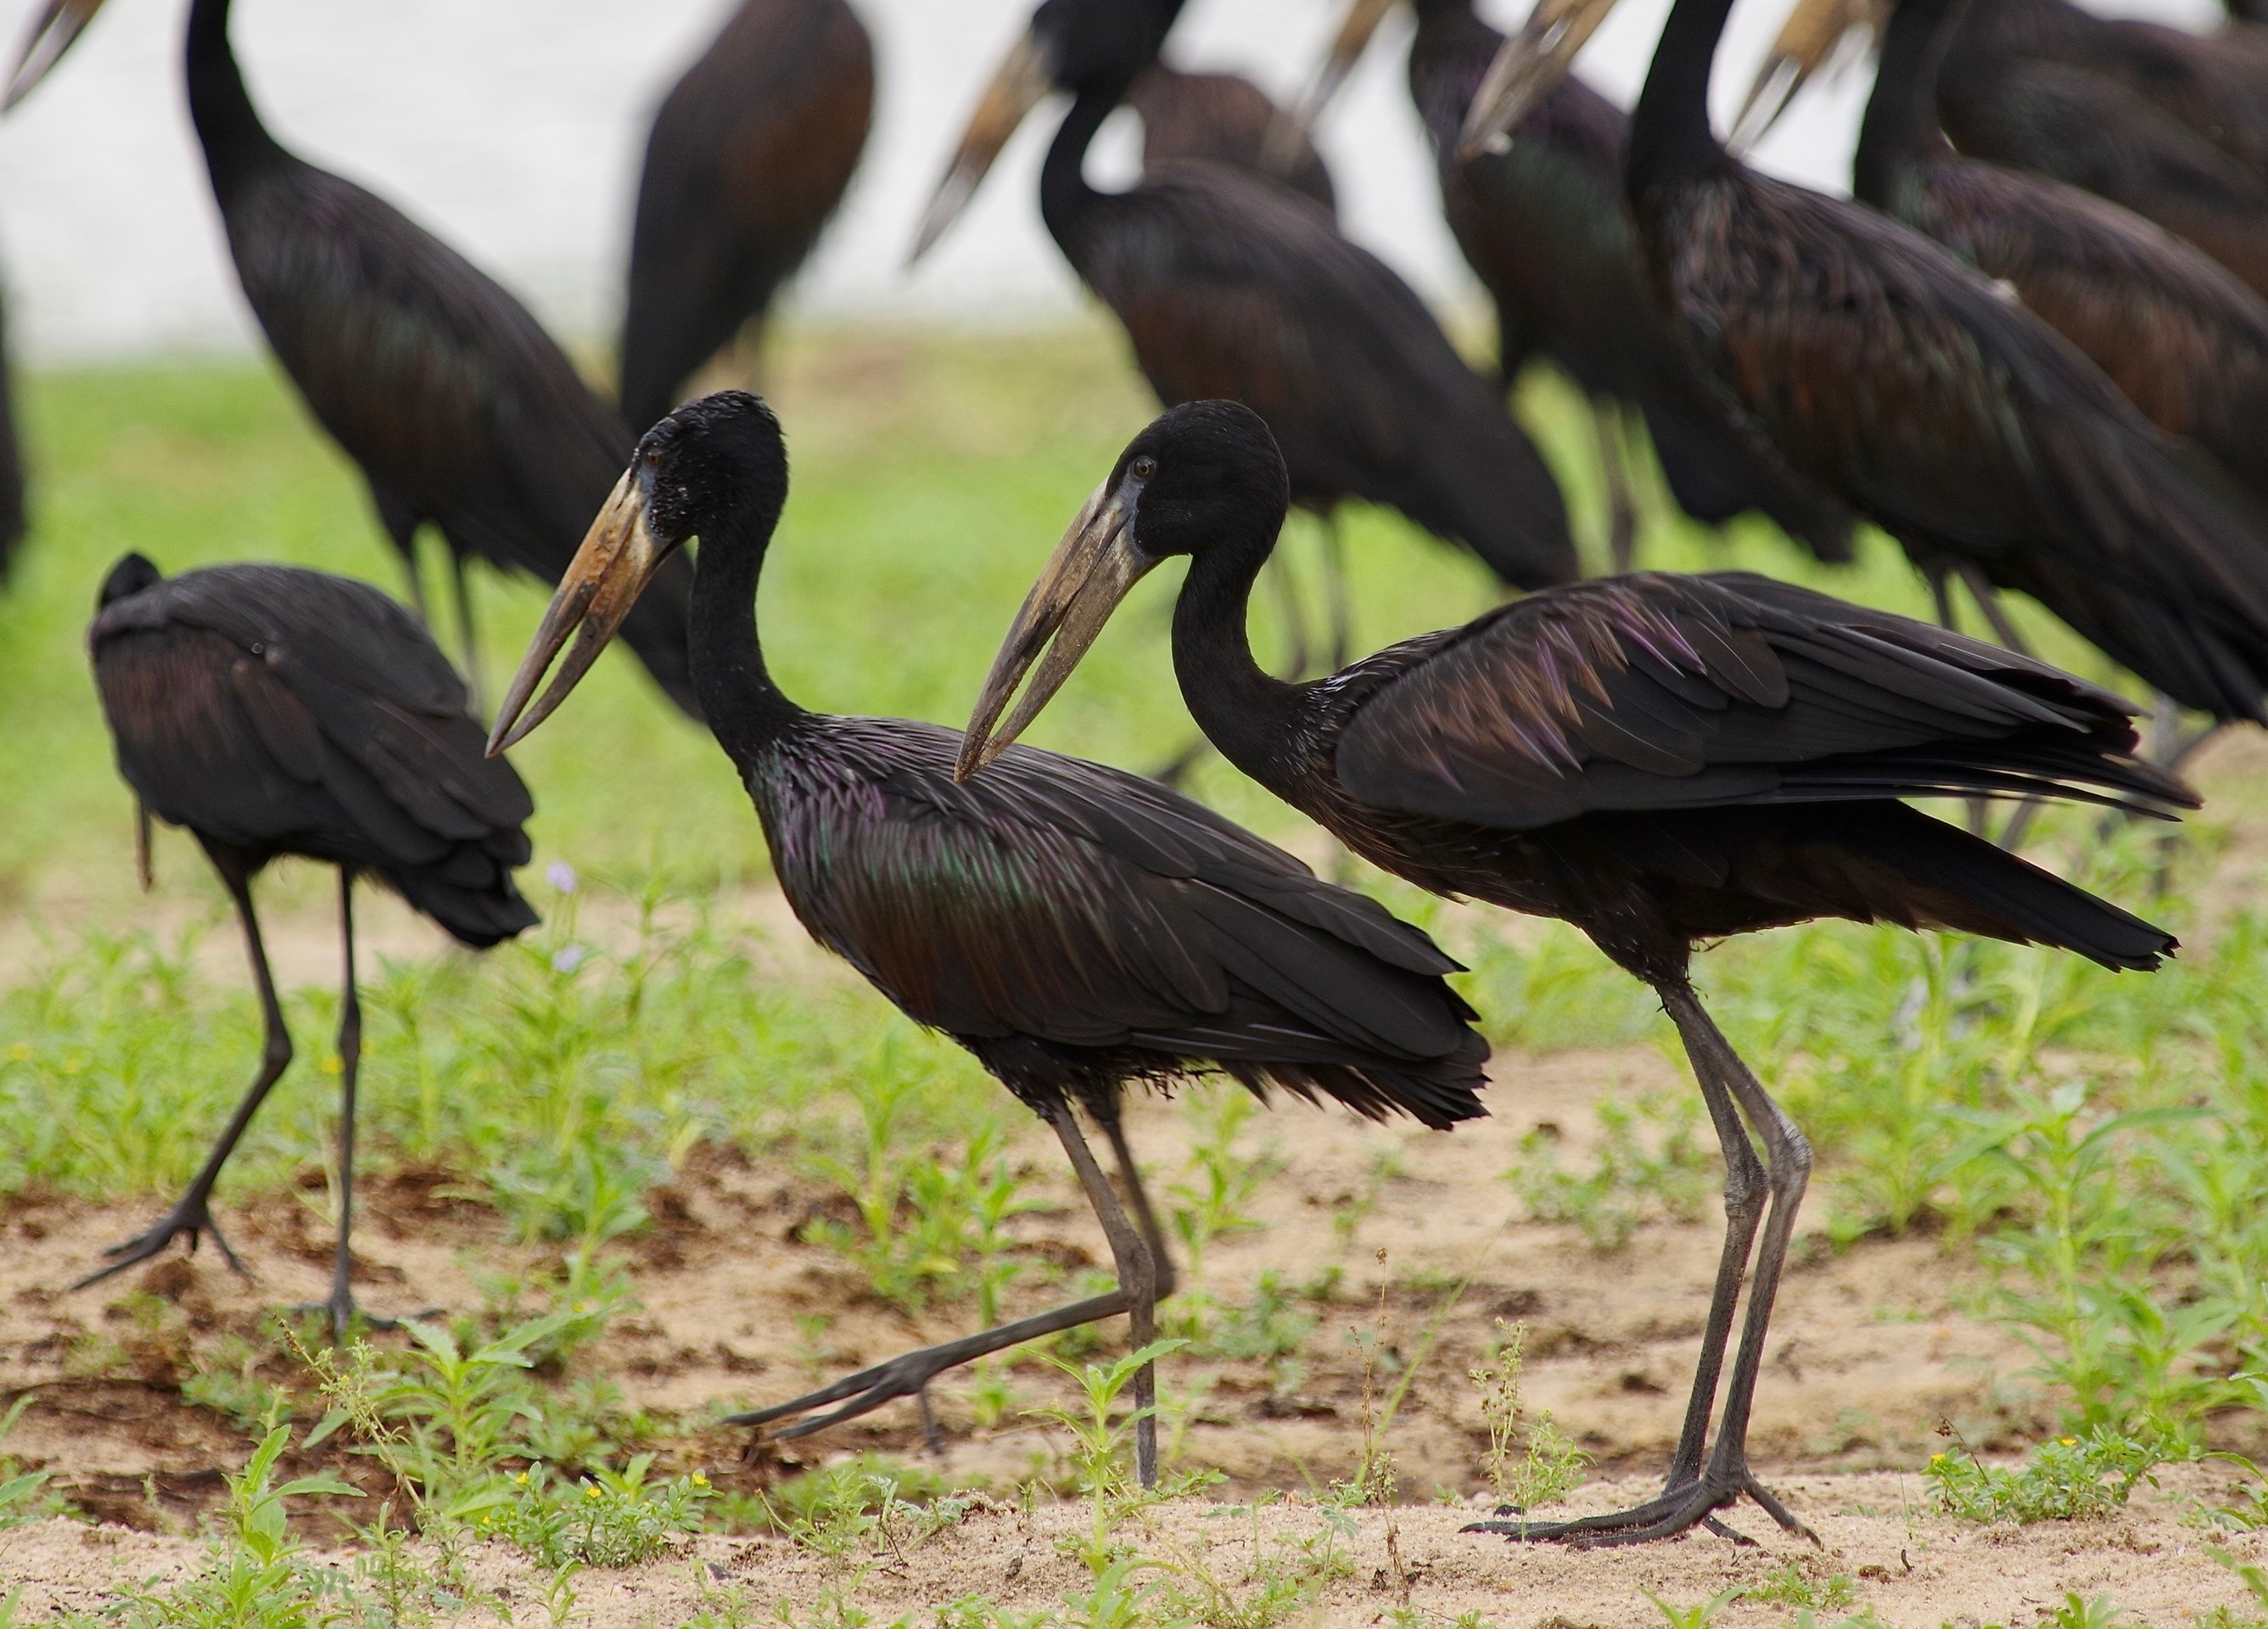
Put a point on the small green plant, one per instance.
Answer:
(611, 1518)
(2255, 1580)
(257, 1575)
(1696, 1616)
(2078, 1612)
(2068, 1479)
(1213, 1199)
(1794, 1585)
(20, 1498)
(1626, 1179)
(1545, 1467)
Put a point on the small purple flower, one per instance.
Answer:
(568, 959)
(560, 875)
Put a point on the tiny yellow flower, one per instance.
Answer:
(699, 1481)
(1937, 1459)
(590, 1490)
(333, 1064)
(521, 1478)
(2068, 1441)
(21, 1051)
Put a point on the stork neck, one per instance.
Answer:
(1670, 139)
(1900, 129)
(1449, 56)
(745, 710)
(1245, 710)
(1065, 195)
(228, 125)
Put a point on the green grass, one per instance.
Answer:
(2099, 1140)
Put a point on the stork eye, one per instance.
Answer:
(1141, 468)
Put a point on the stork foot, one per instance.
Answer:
(342, 1310)
(189, 1218)
(1677, 1511)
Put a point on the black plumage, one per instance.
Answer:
(1658, 760)
(748, 157)
(275, 711)
(2180, 336)
(1915, 390)
(1077, 928)
(1542, 224)
(1228, 286)
(458, 407)
(1221, 118)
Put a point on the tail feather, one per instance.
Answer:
(1975, 887)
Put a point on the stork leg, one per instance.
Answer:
(191, 1216)
(466, 641)
(908, 1372)
(1697, 1490)
(340, 1306)
(1142, 1312)
(1988, 600)
(1614, 475)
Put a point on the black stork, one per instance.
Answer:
(2180, 336)
(1077, 928)
(2170, 126)
(1906, 382)
(1223, 118)
(276, 712)
(1229, 287)
(456, 405)
(749, 156)
(1658, 760)
(1542, 225)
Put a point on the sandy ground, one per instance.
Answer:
(1912, 1569)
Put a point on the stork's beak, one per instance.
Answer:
(1020, 83)
(618, 558)
(1094, 567)
(1360, 22)
(51, 35)
(1817, 33)
(1529, 66)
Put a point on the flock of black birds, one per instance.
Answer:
(2033, 349)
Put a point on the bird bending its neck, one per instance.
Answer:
(228, 125)
(746, 710)
(1064, 194)
(1670, 139)
(1245, 710)
(1900, 127)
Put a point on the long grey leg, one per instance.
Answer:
(191, 1215)
(1138, 1277)
(342, 1304)
(1788, 1154)
(1160, 1285)
(1988, 600)
(1744, 1206)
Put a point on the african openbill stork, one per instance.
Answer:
(2175, 331)
(1903, 380)
(458, 407)
(1228, 286)
(2170, 126)
(1542, 225)
(748, 157)
(273, 712)
(1658, 760)
(1077, 928)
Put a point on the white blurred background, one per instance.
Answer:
(513, 128)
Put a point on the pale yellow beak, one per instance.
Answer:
(1354, 36)
(1529, 66)
(51, 35)
(1019, 84)
(1819, 36)
(1092, 569)
(618, 558)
